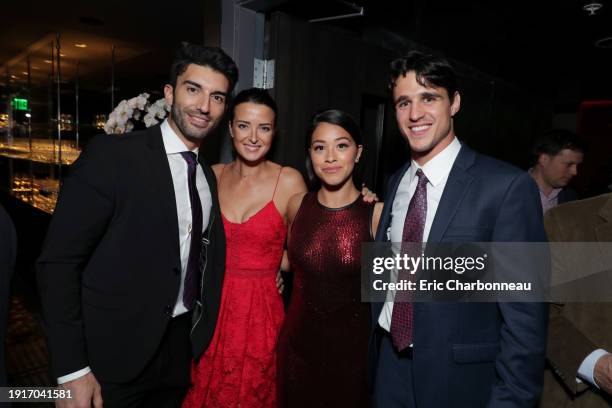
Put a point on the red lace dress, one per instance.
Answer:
(239, 367)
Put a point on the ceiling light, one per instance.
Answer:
(25, 73)
(62, 55)
(35, 67)
(48, 61)
(80, 45)
(592, 7)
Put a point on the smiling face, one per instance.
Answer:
(333, 153)
(252, 131)
(197, 101)
(424, 116)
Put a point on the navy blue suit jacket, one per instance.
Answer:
(477, 354)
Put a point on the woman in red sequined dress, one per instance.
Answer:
(239, 367)
(324, 340)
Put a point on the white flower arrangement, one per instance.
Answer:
(123, 118)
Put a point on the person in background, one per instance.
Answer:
(557, 154)
(323, 344)
(580, 333)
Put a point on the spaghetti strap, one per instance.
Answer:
(277, 178)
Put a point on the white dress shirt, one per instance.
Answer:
(587, 367)
(436, 170)
(178, 167)
(548, 201)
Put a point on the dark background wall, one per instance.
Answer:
(319, 66)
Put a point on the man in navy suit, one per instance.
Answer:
(453, 354)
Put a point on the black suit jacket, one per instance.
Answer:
(8, 251)
(469, 355)
(109, 272)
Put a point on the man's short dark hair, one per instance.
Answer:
(211, 57)
(430, 71)
(554, 141)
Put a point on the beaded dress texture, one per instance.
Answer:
(324, 339)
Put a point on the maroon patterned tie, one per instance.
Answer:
(414, 225)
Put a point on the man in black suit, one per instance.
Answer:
(557, 154)
(131, 271)
(8, 250)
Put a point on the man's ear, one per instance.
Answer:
(169, 94)
(456, 103)
(544, 159)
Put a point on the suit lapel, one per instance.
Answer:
(212, 185)
(457, 185)
(383, 226)
(604, 230)
(603, 233)
(381, 234)
(162, 180)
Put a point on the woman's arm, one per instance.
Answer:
(291, 183)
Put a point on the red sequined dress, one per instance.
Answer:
(323, 344)
(239, 367)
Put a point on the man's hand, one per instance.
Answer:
(85, 392)
(280, 284)
(368, 195)
(602, 373)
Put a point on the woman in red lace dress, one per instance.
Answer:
(239, 367)
(324, 340)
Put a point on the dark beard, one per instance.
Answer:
(183, 126)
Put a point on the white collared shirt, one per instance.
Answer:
(436, 170)
(178, 167)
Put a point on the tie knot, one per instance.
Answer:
(421, 176)
(190, 158)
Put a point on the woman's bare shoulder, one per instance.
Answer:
(218, 169)
(295, 201)
(292, 182)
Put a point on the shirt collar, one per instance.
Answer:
(172, 143)
(553, 194)
(438, 168)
